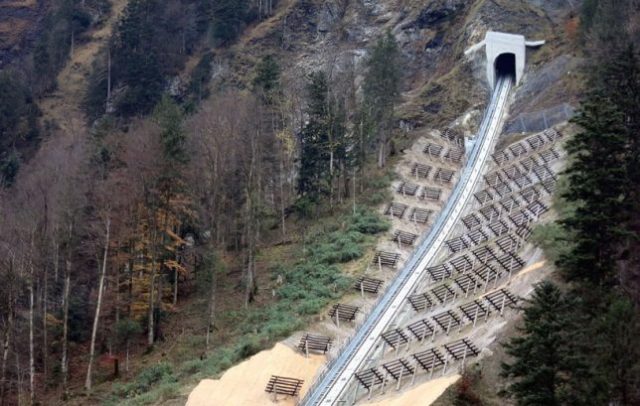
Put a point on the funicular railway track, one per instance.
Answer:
(332, 383)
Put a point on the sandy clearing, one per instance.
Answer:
(422, 395)
(244, 384)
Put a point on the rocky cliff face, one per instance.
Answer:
(441, 83)
(20, 22)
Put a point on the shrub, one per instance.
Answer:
(146, 379)
(368, 222)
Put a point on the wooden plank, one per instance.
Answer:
(284, 386)
(419, 215)
(420, 170)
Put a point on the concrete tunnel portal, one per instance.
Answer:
(506, 55)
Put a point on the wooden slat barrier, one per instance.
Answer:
(471, 221)
(368, 285)
(420, 171)
(466, 283)
(420, 301)
(507, 243)
(461, 264)
(499, 227)
(444, 175)
(404, 237)
(443, 293)
(549, 155)
(343, 312)
(430, 193)
(461, 349)
(369, 377)
(314, 343)
(384, 258)
(474, 310)
(454, 155)
(430, 359)
(408, 189)
(484, 254)
(396, 209)
(395, 337)
(453, 136)
(483, 196)
(398, 368)
(477, 236)
(457, 244)
(421, 329)
(439, 272)
(419, 215)
(433, 150)
(284, 386)
(447, 320)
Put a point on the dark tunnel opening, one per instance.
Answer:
(505, 65)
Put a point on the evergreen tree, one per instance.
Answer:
(267, 77)
(597, 183)
(324, 143)
(200, 77)
(546, 368)
(229, 18)
(381, 91)
(136, 59)
(615, 351)
(169, 117)
(314, 162)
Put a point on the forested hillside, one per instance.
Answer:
(164, 202)
(185, 182)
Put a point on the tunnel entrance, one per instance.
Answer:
(505, 65)
(506, 55)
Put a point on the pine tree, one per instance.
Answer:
(228, 19)
(546, 361)
(381, 91)
(169, 117)
(324, 142)
(267, 77)
(314, 161)
(597, 183)
(616, 351)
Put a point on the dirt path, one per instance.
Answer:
(64, 105)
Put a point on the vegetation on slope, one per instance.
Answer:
(580, 346)
(110, 236)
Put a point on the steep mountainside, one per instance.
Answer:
(173, 241)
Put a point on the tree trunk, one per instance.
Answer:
(32, 363)
(5, 347)
(64, 367)
(282, 200)
(381, 154)
(56, 258)
(150, 326)
(45, 344)
(175, 286)
(96, 318)
(126, 359)
(212, 307)
(108, 79)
